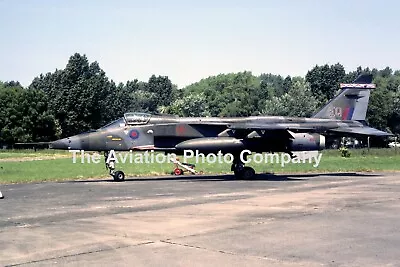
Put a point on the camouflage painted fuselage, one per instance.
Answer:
(166, 133)
(343, 115)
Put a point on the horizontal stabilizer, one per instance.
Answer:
(361, 130)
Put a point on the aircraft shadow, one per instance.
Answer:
(230, 177)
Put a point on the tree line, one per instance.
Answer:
(81, 97)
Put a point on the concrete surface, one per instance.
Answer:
(296, 220)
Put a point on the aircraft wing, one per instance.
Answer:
(360, 130)
(268, 127)
(247, 130)
(292, 126)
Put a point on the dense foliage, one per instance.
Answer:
(81, 97)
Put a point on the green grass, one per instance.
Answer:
(35, 167)
(23, 153)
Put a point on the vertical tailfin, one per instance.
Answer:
(351, 103)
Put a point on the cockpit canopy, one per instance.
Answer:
(134, 118)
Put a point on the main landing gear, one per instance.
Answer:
(118, 176)
(241, 171)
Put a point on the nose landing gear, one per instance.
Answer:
(118, 176)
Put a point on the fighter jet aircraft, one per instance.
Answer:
(344, 115)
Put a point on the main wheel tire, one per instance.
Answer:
(119, 176)
(238, 174)
(248, 173)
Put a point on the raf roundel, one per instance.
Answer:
(134, 134)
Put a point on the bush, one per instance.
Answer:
(345, 152)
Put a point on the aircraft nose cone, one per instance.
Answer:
(59, 144)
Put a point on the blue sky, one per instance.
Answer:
(188, 41)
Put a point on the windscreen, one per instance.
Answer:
(115, 124)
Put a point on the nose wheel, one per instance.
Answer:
(118, 176)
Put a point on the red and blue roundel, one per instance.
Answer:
(134, 134)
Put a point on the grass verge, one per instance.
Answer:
(29, 166)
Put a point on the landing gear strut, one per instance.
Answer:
(241, 171)
(118, 176)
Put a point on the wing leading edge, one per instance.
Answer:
(365, 130)
(286, 126)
